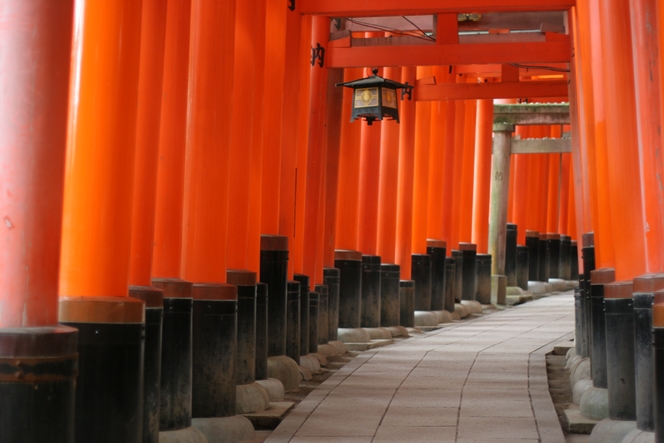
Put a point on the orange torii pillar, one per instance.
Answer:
(175, 414)
(387, 217)
(334, 112)
(151, 71)
(647, 73)
(403, 247)
(96, 231)
(205, 215)
(38, 399)
(482, 174)
(628, 235)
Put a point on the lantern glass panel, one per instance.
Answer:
(366, 97)
(390, 98)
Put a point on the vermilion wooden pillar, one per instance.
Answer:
(421, 171)
(97, 220)
(552, 193)
(207, 164)
(247, 50)
(623, 160)
(291, 194)
(153, 33)
(563, 227)
(407, 117)
(453, 174)
(453, 122)
(522, 172)
(482, 174)
(274, 75)
(647, 72)
(316, 154)
(388, 181)
(467, 172)
(438, 146)
(35, 59)
(172, 137)
(349, 171)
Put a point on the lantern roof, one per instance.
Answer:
(374, 80)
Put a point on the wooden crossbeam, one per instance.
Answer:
(383, 8)
(461, 91)
(455, 54)
(531, 114)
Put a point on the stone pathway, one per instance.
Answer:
(476, 381)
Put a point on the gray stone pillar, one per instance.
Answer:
(500, 181)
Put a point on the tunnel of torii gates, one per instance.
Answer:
(164, 157)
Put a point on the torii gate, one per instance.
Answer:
(506, 117)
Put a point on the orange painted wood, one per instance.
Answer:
(316, 155)
(563, 210)
(349, 171)
(96, 230)
(461, 54)
(597, 164)
(150, 92)
(647, 76)
(453, 173)
(368, 190)
(388, 180)
(491, 90)
(446, 168)
(256, 160)
(207, 167)
(521, 172)
(241, 137)
(296, 263)
(623, 159)
(296, 68)
(403, 248)
(421, 172)
(274, 76)
(333, 117)
(36, 38)
(467, 173)
(167, 249)
(482, 174)
(553, 194)
(447, 29)
(349, 8)
(438, 146)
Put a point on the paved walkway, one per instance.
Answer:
(476, 381)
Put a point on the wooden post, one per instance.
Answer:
(500, 175)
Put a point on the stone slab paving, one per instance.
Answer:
(478, 381)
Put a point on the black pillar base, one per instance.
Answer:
(469, 254)
(349, 264)
(261, 330)
(553, 241)
(421, 274)
(175, 397)
(154, 312)
(370, 291)
(532, 242)
(214, 350)
(658, 359)
(483, 294)
(323, 314)
(304, 312)
(543, 258)
(619, 317)
(600, 278)
(331, 280)
(574, 261)
(522, 270)
(389, 295)
(312, 330)
(458, 283)
(293, 320)
(274, 273)
(37, 384)
(245, 359)
(109, 387)
(450, 283)
(437, 250)
(565, 257)
(510, 254)
(407, 297)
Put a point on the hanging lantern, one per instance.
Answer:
(375, 97)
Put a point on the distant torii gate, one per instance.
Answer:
(506, 118)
